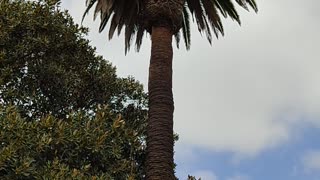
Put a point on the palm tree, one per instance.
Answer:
(163, 19)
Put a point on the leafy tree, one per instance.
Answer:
(48, 67)
(64, 114)
(103, 146)
(163, 19)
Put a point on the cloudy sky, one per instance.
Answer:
(247, 107)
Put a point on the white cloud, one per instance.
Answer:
(239, 177)
(205, 175)
(247, 92)
(311, 161)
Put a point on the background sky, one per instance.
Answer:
(247, 107)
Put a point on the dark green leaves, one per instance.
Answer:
(47, 67)
(105, 146)
(64, 114)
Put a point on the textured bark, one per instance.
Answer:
(160, 123)
(164, 13)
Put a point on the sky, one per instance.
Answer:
(247, 107)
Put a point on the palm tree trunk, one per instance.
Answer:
(160, 122)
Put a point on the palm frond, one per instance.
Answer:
(210, 11)
(119, 13)
(113, 25)
(227, 8)
(129, 31)
(127, 14)
(186, 27)
(177, 37)
(195, 8)
(251, 3)
(139, 37)
(103, 7)
(89, 4)
(207, 31)
(213, 17)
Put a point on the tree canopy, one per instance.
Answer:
(138, 16)
(80, 147)
(64, 113)
(48, 67)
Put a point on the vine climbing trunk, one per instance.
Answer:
(160, 164)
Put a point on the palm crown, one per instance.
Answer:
(128, 14)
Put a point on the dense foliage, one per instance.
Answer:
(80, 147)
(47, 66)
(63, 111)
